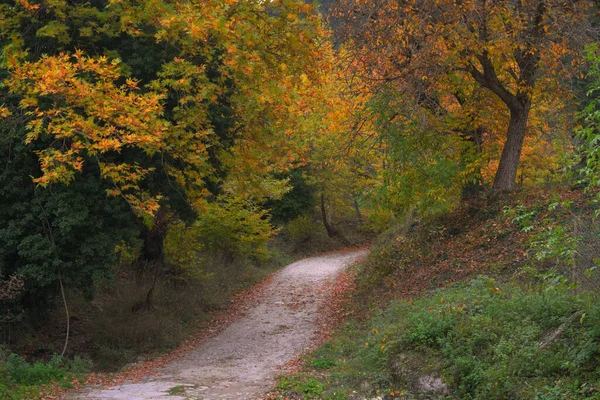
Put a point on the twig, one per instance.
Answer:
(62, 291)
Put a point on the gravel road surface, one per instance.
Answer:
(243, 360)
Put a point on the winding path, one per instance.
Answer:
(242, 361)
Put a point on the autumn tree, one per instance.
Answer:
(441, 54)
(178, 109)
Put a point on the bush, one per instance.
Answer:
(308, 387)
(300, 229)
(19, 372)
(20, 378)
(232, 228)
(306, 236)
(236, 227)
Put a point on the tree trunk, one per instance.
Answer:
(152, 250)
(506, 176)
(331, 231)
(151, 259)
(357, 209)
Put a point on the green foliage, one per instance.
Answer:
(19, 372)
(521, 216)
(322, 363)
(67, 230)
(297, 202)
(427, 166)
(183, 252)
(556, 242)
(589, 132)
(489, 336)
(483, 338)
(300, 229)
(381, 218)
(308, 387)
(177, 390)
(20, 377)
(235, 227)
(232, 228)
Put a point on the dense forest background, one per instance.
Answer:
(156, 156)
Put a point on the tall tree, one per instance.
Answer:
(431, 50)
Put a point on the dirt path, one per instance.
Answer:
(242, 361)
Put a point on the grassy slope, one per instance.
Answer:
(453, 299)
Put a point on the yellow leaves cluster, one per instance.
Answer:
(28, 6)
(75, 100)
(4, 112)
(275, 68)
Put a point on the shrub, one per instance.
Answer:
(300, 229)
(18, 374)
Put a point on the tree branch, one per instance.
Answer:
(489, 80)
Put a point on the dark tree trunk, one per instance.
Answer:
(151, 260)
(331, 231)
(519, 105)
(357, 209)
(506, 176)
(152, 250)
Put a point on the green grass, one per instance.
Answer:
(305, 386)
(20, 379)
(482, 339)
(177, 390)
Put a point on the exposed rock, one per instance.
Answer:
(418, 374)
(366, 387)
(432, 384)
